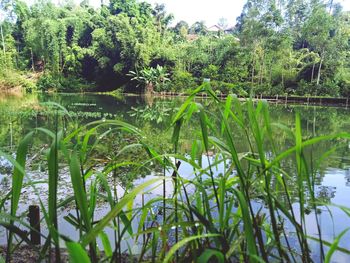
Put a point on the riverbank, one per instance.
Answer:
(31, 254)
(12, 81)
(305, 100)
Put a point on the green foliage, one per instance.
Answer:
(48, 82)
(211, 72)
(151, 78)
(228, 88)
(275, 47)
(182, 80)
(329, 88)
(16, 79)
(56, 82)
(158, 113)
(239, 214)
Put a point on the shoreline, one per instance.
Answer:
(279, 99)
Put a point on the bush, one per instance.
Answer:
(11, 79)
(276, 90)
(211, 72)
(56, 82)
(182, 80)
(228, 88)
(343, 79)
(344, 88)
(48, 82)
(328, 88)
(234, 73)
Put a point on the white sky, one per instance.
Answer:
(211, 11)
(207, 10)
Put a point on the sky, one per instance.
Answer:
(209, 11)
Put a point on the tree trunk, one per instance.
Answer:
(319, 69)
(3, 45)
(253, 64)
(313, 72)
(262, 71)
(149, 88)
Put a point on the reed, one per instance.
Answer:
(245, 213)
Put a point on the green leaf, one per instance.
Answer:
(180, 244)
(334, 246)
(79, 190)
(116, 210)
(248, 229)
(106, 244)
(209, 253)
(76, 253)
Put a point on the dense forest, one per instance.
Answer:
(297, 47)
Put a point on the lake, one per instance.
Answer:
(20, 114)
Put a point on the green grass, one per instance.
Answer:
(211, 217)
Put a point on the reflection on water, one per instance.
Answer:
(19, 115)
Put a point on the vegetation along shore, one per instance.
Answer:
(127, 137)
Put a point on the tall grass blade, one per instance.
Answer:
(94, 232)
(208, 254)
(183, 242)
(17, 182)
(76, 253)
(334, 246)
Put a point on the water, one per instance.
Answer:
(17, 117)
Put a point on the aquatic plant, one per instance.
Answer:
(253, 210)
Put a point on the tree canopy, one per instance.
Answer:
(277, 46)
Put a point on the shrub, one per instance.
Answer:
(211, 72)
(328, 88)
(55, 82)
(182, 80)
(228, 88)
(48, 82)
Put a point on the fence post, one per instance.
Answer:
(286, 99)
(34, 220)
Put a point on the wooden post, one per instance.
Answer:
(11, 135)
(164, 194)
(174, 176)
(143, 225)
(347, 100)
(286, 99)
(34, 220)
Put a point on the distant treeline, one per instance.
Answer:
(277, 46)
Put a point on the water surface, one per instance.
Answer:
(20, 114)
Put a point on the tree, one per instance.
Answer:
(199, 28)
(223, 23)
(319, 32)
(162, 19)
